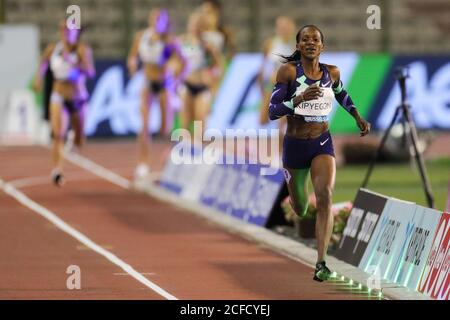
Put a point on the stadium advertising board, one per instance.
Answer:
(115, 101)
(20, 120)
(239, 190)
(179, 177)
(413, 252)
(394, 227)
(428, 89)
(361, 223)
(435, 281)
(369, 78)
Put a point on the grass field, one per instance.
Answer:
(401, 181)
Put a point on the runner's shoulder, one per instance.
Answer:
(286, 72)
(333, 70)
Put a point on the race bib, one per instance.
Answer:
(318, 107)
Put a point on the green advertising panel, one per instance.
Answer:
(366, 80)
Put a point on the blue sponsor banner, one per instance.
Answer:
(428, 93)
(115, 97)
(239, 190)
(170, 178)
(263, 197)
(242, 191)
(178, 172)
(227, 188)
(214, 185)
(115, 101)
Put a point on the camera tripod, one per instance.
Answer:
(407, 120)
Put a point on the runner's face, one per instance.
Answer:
(208, 8)
(310, 44)
(285, 28)
(162, 22)
(193, 25)
(72, 36)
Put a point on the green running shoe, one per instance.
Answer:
(322, 273)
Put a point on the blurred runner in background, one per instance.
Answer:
(219, 36)
(201, 57)
(281, 44)
(71, 63)
(154, 47)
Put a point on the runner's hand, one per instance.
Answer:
(311, 93)
(37, 84)
(363, 126)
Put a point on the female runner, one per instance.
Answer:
(201, 56)
(154, 47)
(71, 63)
(304, 92)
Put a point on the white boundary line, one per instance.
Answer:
(53, 218)
(45, 180)
(98, 170)
(30, 182)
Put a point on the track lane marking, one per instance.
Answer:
(98, 170)
(53, 218)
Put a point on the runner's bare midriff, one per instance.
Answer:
(154, 72)
(300, 129)
(198, 77)
(67, 89)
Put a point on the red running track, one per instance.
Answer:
(183, 254)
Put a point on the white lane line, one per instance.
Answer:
(53, 218)
(104, 173)
(30, 182)
(101, 171)
(98, 170)
(126, 274)
(45, 180)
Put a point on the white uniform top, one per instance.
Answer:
(150, 50)
(194, 54)
(214, 38)
(63, 67)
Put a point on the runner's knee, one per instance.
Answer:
(58, 136)
(323, 197)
